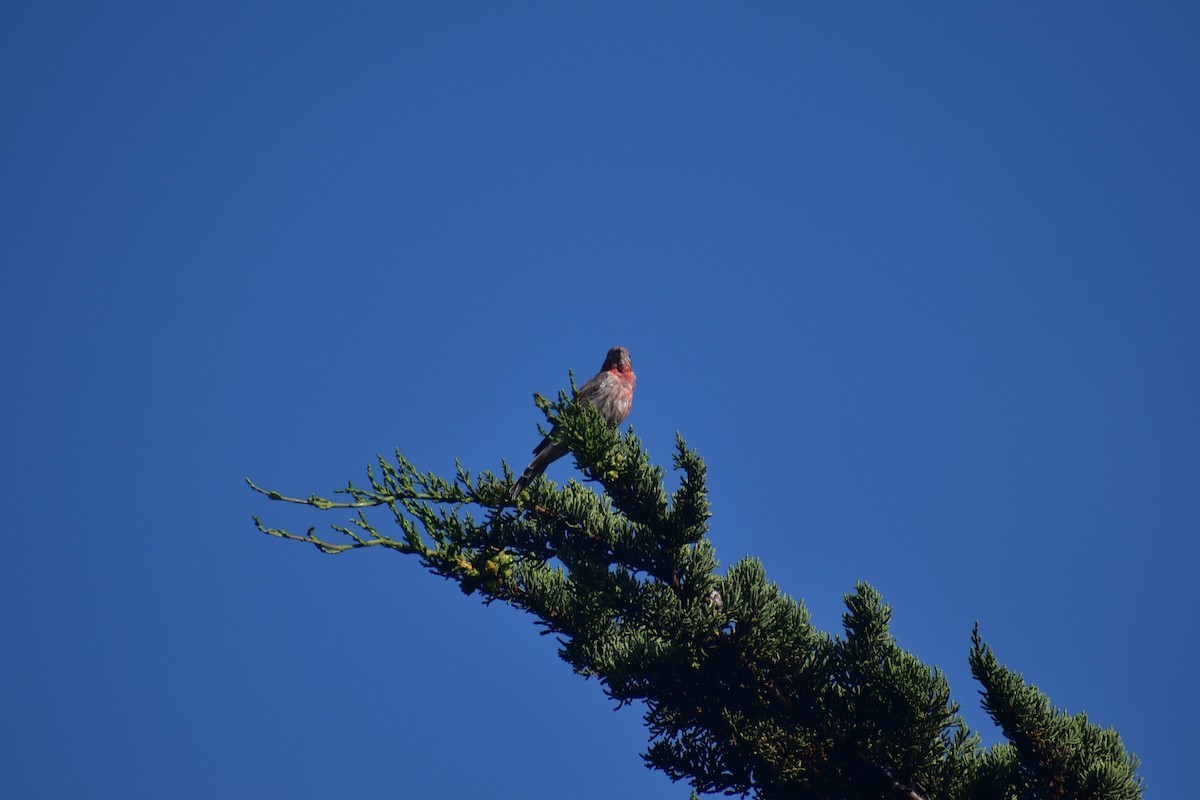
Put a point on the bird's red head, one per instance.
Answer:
(617, 359)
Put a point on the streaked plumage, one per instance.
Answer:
(610, 391)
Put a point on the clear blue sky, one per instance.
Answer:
(921, 283)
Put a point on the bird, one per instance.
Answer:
(609, 391)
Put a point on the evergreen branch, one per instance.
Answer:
(742, 694)
(329, 547)
(611, 552)
(363, 499)
(1057, 755)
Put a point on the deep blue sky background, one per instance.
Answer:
(921, 283)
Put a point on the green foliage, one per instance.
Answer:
(1053, 754)
(742, 694)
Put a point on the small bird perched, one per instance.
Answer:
(609, 391)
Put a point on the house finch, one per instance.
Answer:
(609, 391)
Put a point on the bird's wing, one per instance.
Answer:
(595, 385)
(590, 389)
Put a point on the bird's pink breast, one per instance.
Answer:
(615, 397)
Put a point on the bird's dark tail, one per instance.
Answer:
(544, 455)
